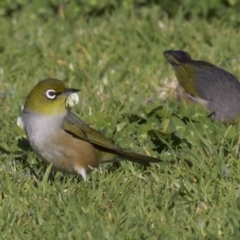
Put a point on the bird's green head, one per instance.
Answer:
(184, 69)
(176, 57)
(48, 97)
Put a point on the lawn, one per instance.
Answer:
(128, 93)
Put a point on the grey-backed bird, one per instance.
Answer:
(207, 84)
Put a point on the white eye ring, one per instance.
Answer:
(51, 94)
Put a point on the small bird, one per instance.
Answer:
(59, 137)
(207, 84)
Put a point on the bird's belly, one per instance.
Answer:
(51, 152)
(66, 153)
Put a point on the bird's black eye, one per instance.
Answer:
(51, 94)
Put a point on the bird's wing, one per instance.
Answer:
(77, 128)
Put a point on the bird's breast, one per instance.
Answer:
(53, 145)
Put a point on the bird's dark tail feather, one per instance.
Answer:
(131, 156)
(139, 158)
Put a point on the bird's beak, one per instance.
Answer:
(69, 91)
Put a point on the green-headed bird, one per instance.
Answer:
(61, 138)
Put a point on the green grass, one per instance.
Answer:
(117, 62)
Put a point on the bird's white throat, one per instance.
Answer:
(41, 129)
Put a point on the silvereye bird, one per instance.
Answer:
(59, 137)
(207, 84)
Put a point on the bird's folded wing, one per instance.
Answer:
(74, 126)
